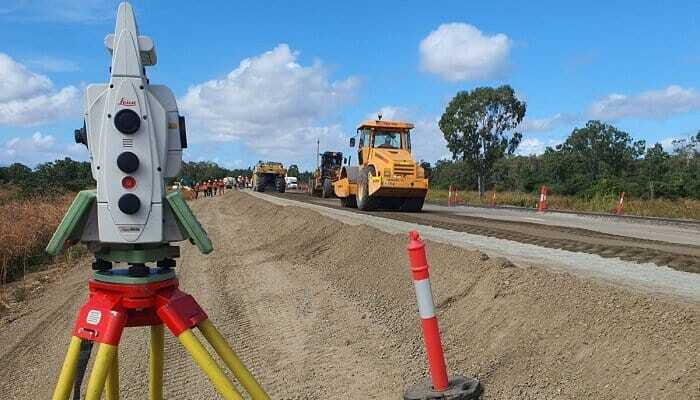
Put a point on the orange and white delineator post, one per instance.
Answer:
(542, 205)
(449, 196)
(426, 310)
(620, 209)
(440, 385)
(493, 199)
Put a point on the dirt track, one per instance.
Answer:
(321, 310)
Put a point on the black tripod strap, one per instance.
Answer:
(83, 359)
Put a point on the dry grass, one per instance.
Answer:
(8, 193)
(25, 228)
(681, 208)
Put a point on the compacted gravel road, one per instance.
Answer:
(319, 309)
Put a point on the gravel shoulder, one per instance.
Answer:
(618, 265)
(656, 229)
(324, 310)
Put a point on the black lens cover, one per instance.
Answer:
(127, 121)
(128, 162)
(129, 204)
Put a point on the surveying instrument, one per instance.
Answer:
(135, 137)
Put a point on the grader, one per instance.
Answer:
(326, 174)
(269, 173)
(386, 176)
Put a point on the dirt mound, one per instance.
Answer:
(322, 310)
(527, 333)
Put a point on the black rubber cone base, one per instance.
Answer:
(460, 388)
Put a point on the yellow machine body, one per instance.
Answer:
(269, 174)
(386, 165)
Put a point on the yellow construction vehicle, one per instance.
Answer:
(327, 172)
(386, 176)
(269, 173)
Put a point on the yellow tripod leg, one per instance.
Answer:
(155, 364)
(103, 364)
(232, 361)
(67, 375)
(203, 359)
(112, 383)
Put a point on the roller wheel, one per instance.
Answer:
(259, 185)
(414, 204)
(280, 185)
(365, 202)
(348, 202)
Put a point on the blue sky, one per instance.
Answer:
(263, 80)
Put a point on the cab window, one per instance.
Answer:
(407, 140)
(364, 138)
(387, 139)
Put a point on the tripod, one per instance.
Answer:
(118, 300)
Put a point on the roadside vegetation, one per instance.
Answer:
(32, 204)
(664, 208)
(586, 172)
(26, 225)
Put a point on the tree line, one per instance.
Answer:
(481, 128)
(48, 179)
(64, 176)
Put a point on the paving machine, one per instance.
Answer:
(386, 177)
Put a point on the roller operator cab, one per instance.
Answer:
(386, 177)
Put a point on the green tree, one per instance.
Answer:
(654, 169)
(480, 127)
(684, 167)
(427, 168)
(518, 173)
(600, 158)
(57, 177)
(201, 171)
(15, 173)
(293, 170)
(687, 148)
(456, 173)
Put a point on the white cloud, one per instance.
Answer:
(28, 98)
(666, 143)
(534, 146)
(38, 148)
(53, 64)
(64, 11)
(547, 123)
(18, 83)
(389, 112)
(272, 104)
(461, 52)
(427, 141)
(653, 104)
